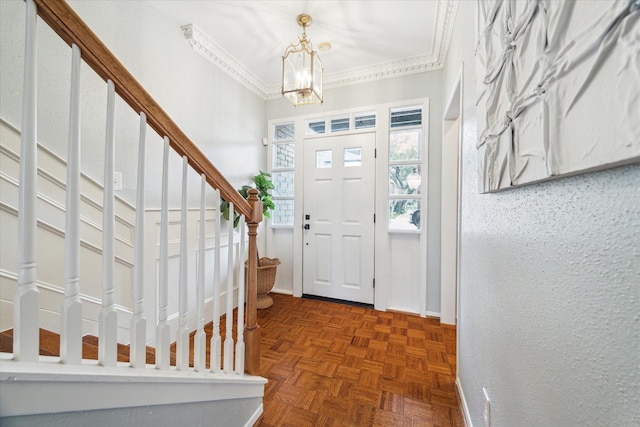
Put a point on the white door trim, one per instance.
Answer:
(386, 297)
(450, 291)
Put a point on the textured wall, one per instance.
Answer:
(550, 283)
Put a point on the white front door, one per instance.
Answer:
(338, 246)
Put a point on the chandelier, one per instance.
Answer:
(302, 69)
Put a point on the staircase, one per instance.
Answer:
(50, 346)
(41, 394)
(208, 375)
(57, 395)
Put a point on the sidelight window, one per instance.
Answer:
(282, 173)
(405, 168)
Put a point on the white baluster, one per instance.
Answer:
(71, 313)
(26, 335)
(108, 323)
(162, 328)
(182, 340)
(199, 340)
(138, 355)
(216, 344)
(228, 341)
(240, 282)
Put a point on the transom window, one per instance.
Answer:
(342, 123)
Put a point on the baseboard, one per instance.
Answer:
(465, 409)
(282, 291)
(255, 417)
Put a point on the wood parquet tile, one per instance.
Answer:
(336, 365)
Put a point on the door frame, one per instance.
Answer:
(298, 234)
(450, 292)
(385, 296)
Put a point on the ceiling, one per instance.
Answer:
(370, 39)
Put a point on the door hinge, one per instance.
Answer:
(375, 153)
(374, 283)
(374, 218)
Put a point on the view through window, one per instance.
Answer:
(405, 171)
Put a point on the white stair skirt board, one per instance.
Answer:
(256, 416)
(65, 388)
(221, 413)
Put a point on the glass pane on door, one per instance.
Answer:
(352, 157)
(323, 158)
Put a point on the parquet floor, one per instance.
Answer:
(336, 365)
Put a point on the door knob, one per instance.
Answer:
(306, 226)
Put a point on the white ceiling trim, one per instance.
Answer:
(446, 11)
(206, 47)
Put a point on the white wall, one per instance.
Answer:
(223, 118)
(550, 280)
(152, 267)
(51, 257)
(422, 85)
(51, 211)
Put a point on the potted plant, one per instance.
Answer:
(266, 266)
(264, 185)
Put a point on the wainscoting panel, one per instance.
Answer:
(152, 269)
(51, 213)
(51, 233)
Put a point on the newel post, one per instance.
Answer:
(251, 329)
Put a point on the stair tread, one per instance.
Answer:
(49, 342)
(6, 343)
(50, 346)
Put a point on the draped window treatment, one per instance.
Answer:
(558, 88)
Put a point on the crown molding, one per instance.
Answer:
(445, 17)
(206, 47)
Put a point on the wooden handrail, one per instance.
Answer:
(73, 30)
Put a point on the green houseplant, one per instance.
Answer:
(267, 267)
(264, 185)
